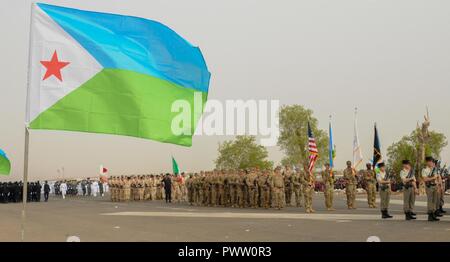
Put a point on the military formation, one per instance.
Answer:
(252, 188)
(255, 188)
(11, 192)
(147, 187)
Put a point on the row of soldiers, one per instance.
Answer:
(432, 175)
(11, 192)
(251, 188)
(146, 187)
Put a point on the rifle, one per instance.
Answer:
(413, 182)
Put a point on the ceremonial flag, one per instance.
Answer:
(312, 148)
(175, 168)
(113, 74)
(377, 158)
(103, 170)
(5, 164)
(357, 153)
(331, 149)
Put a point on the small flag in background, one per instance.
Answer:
(377, 158)
(103, 170)
(357, 153)
(312, 147)
(5, 164)
(175, 167)
(331, 148)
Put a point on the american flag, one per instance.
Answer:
(312, 148)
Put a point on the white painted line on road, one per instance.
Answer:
(400, 202)
(324, 217)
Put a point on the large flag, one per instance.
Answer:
(175, 168)
(331, 149)
(377, 158)
(312, 148)
(357, 153)
(114, 74)
(5, 164)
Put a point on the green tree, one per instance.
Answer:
(242, 153)
(408, 146)
(293, 139)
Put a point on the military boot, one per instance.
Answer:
(431, 217)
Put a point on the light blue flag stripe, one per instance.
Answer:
(136, 44)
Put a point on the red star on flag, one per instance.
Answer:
(54, 67)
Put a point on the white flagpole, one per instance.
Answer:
(25, 184)
(27, 135)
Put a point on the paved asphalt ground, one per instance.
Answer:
(101, 220)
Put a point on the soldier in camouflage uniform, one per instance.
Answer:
(141, 188)
(190, 189)
(240, 180)
(297, 182)
(371, 188)
(251, 183)
(264, 189)
(308, 190)
(350, 189)
(112, 188)
(220, 188)
(213, 183)
(121, 185)
(276, 182)
(328, 180)
(288, 185)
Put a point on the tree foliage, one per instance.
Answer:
(293, 139)
(408, 146)
(242, 153)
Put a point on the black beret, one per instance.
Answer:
(429, 159)
(406, 162)
(381, 164)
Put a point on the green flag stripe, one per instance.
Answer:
(122, 102)
(5, 166)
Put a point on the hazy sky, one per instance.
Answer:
(388, 58)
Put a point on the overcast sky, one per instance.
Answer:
(388, 58)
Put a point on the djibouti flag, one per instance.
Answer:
(113, 74)
(5, 164)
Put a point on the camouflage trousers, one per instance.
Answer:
(278, 197)
(253, 197)
(240, 197)
(328, 194)
(371, 194)
(112, 191)
(214, 195)
(288, 195)
(121, 194)
(220, 198)
(140, 193)
(298, 195)
(308, 193)
(264, 198)
(350, 191)
(147, 195)
(233, 196)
